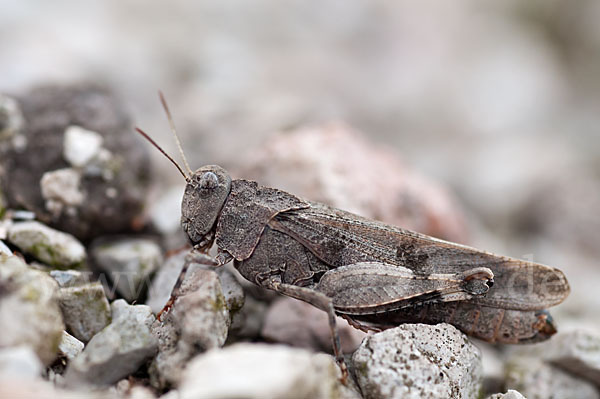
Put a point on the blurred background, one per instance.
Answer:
(498, 101)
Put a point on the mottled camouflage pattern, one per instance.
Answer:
(373, 274)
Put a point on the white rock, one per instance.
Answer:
(118, 350)
(50, 246)
(69, 346)
(577, 351)
(129, 263)
(61, 188)
(260, 371)
(416, 361)
(4, 249)
(537, 379)
(510, 394)
(80, 145)
(29, 311)
(19, 362)
(165, 212)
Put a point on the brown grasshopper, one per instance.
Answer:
(372, 274)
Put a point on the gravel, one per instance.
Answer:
(416, 361)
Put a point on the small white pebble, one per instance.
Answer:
(61, 187)
(80, 145)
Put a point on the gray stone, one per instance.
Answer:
(29, 311)
(80, 145)
(577, 352)
(69, 346)
(85, 309)
(300, 324)
(256, 371)
(118, 350)
(416, 361)
(199, 320)
(537, 379)
(164, 280)
(70, 278)
(53, 247)
(162, 285)
(129, 262)
(19, 362)
(248, 322)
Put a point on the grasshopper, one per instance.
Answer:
(374, 275)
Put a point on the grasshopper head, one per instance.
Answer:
(205, 193)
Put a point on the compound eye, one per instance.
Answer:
(209, 180)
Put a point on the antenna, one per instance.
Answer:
(172, 124)
(140, 131)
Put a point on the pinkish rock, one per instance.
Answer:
(302, 325)
(337, 166)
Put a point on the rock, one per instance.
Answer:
(232, 291)
(81, 145)
(19, 362)
(165, 212)
(537, 379)
(128, 261)
(248, 322)
(337, 166)
(118, 350)
(4, 249)
(84, 306)
(300, 324)
(61, 190)
(575, 351)
(115, 180)
(416, 361)
(510, 394)
(199, 320)
(11, 119)
(126, 390)
(36, 389)
(162, 285)
(493, 367)
(172, 394)
(69, 346)
(70, 278)
(53, 247)
(29, 311)
(261, 371)
(164, 280)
